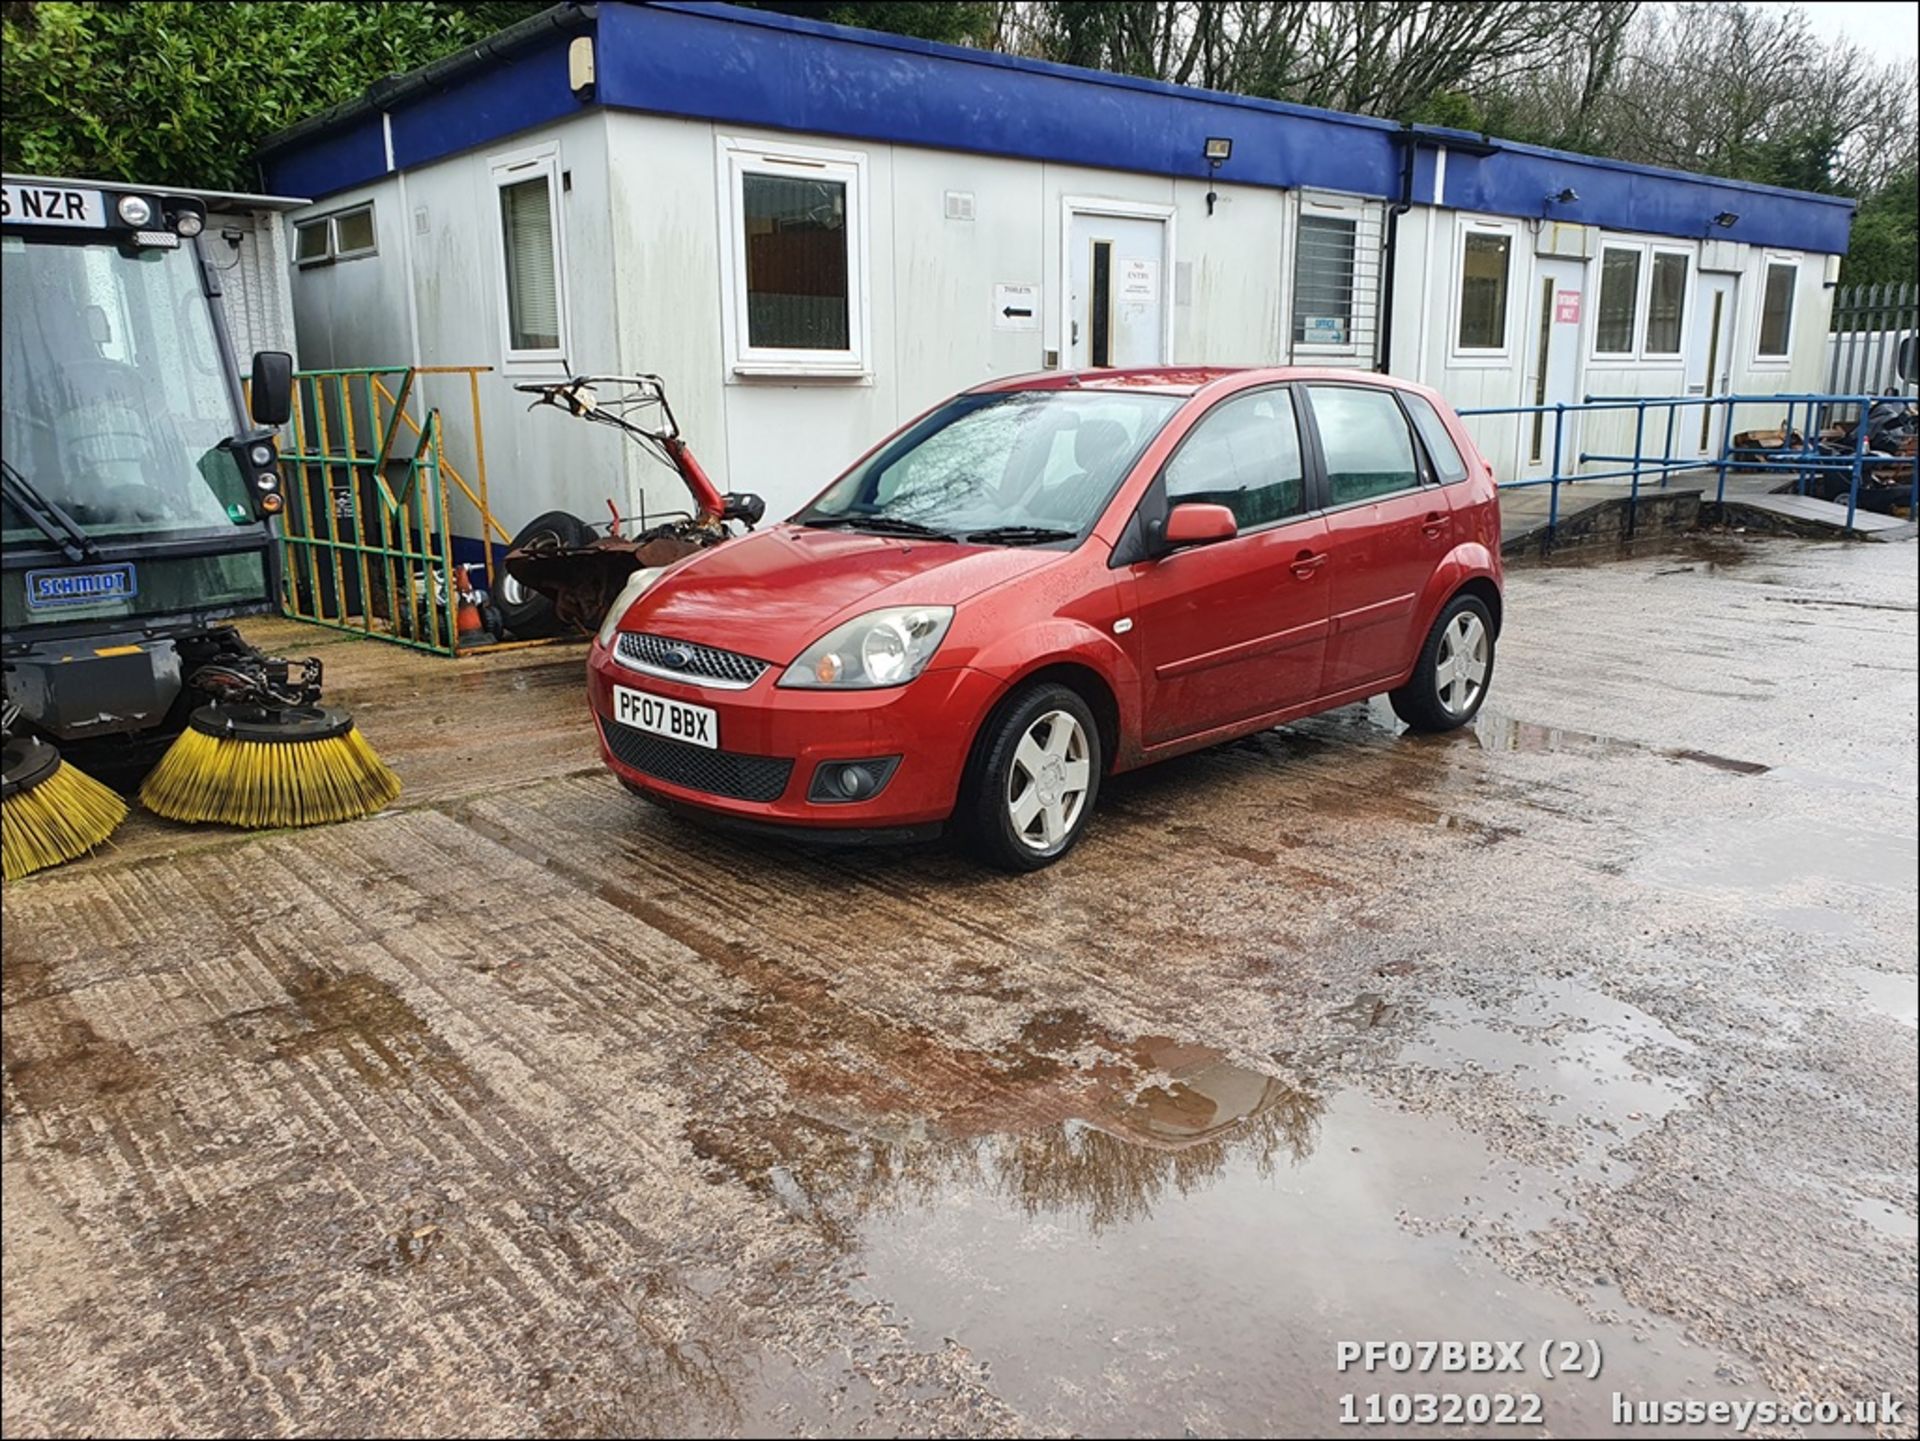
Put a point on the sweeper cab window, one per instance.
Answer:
(115, 408)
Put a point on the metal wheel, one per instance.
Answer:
(1047, 782)
(1460, 666)
(512, 592)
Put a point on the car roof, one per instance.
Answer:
(1187, 380)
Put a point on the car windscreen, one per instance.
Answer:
(1010, 465)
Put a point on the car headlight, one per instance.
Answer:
(629, 593)
(880, 648)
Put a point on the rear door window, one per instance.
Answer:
(1244, 454)
(1447, 464)
(1368, 448)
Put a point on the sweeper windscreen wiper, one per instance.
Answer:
(47, 518)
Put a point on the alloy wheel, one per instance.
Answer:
(1460, 666)
(1047, 782)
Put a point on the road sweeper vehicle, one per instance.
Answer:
(137, 515)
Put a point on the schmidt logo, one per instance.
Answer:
(51, 589)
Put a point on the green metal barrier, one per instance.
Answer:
(367, 548)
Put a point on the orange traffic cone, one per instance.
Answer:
(472, 625)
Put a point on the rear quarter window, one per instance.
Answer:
(1447, 464)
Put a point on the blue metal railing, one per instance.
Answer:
(1807, 461)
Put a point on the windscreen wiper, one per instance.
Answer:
(1020, 535)
(51, 521)
(879, 524)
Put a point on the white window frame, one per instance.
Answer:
(325, 225)
(1354, 212)
(739, 157)
(1465, 356)
(1072, 205)
(330, 227)
(1784, 360)
(1654, 252)
(511, 169)
(1638, 317)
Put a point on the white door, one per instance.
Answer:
(1116, 291)
(1555, 313)
(1709, 363)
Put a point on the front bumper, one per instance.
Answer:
(772, 741)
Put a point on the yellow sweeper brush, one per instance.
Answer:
(259, 766)
(49, 812)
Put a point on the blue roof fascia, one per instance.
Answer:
(749, 67)
(529, 90)
(721, 63)
(1519, 181)
(517, 94)
(352, 155)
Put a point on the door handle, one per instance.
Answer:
(1306, 563)
(1434, 524)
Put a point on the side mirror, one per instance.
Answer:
(1198, 524)
(272, 401)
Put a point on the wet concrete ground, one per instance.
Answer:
(523, 1108)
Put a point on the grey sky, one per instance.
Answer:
(1887, 28)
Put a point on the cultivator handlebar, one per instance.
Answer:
(630, 398)
(582, 580)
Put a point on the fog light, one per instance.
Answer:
(842, 782)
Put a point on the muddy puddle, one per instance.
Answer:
(1145, 1237)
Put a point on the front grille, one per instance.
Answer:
(686, 661)
(718, 773)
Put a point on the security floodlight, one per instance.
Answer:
(1219, 148)
(1725, 219)
(1565, 196)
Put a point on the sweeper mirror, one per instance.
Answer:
(272, 397)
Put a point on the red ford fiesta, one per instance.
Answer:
(1049, 579)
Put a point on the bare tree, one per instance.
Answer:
(1382, 57)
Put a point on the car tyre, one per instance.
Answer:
(1455, 668)
(527, 614)
(1033, 780)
